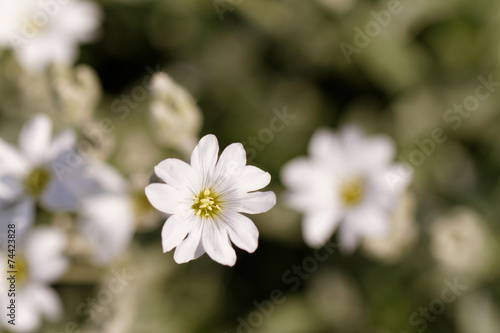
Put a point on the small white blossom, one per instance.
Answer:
(39, 261)
(460, 242)
(206, 199)
(43, 170)
(345, 184)
(106, 219)
(42, 32)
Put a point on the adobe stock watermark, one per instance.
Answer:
(278, 123)
(363, 38)
(95, 134)
(93, 305)
(222, 6)
(36, 22)
(453, 118)
(437, 306)
(292, 277)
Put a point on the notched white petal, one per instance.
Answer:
(177, 173)
(204, 156)
(256, 202)
(216, 242)
(318, 226)
(191, 247)
(163, 197)
(35, 137)
(63, 142)
(231, 163)
(253, 179)
(174, 231)
(242, 231)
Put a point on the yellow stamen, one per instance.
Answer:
(206, 203)
(352, 192)
(36, 182)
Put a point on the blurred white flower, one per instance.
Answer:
(460, 242)
(42, 32)
(206, 199)
(39, 261)
(392, 247)
(43, 169)
(346, 181)
(106, 217)
(175, 117)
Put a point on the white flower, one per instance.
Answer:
(206, 199)
(42, 32)
(459, 241)
(346, 181)
(43, 169)
(106, 218)
(39, 261)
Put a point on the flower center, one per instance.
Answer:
(352, 192)
(36, 182)
(206, 204)
(21, 268)
(31, 26)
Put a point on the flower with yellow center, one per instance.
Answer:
(344, 184)
(39, 172)
(39, 262)
(206, 199)
(206, 204)
(44, 32)
(36, 181)
(21, 269)
(352, 192)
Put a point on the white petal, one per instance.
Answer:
(80, 20)
(64, 141)
(253, 179)
(174, 231)
(242, 231)
(47, 302)
(318, 226)
(93, 178)
(231, 164)
(191, 247)
(217, 244)
(350, 137)
(10, 188)
(348, 238)
(22, 214)
(179, 174)
(107, 221)
(377, 152)
(369, 220)
(256, 202)
(387, 187)
(44, 250)
(325, 146)
(303, 173)
(163, 197)
(204, 156)
(35, 137)
(11, 160)
(57, 197)
(28, 318)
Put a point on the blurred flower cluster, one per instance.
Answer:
(376, 125)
